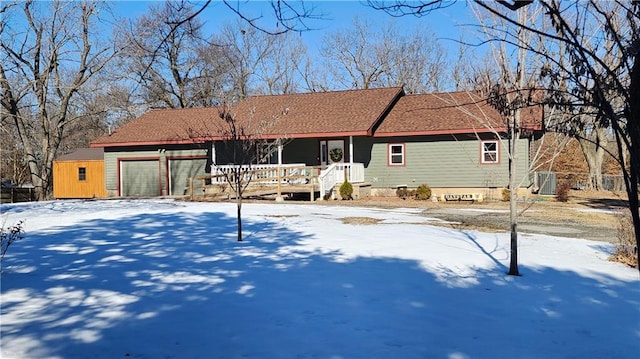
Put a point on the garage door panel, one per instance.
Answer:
(140, 178)
(180, 170)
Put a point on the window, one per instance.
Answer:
(82, 173)
(268, 153)
(396, 154)
(490, 152)
(324, 152)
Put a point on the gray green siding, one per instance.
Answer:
(439, 162)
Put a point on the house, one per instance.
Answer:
(451, 141)
(379, 137)
(79, 174)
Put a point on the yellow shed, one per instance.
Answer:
(79, 174)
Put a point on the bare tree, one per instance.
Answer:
(364, 57)
(279, 73)
(43, 69)
(13, 166)
(162, 58)
(511, 95)
(242, 133)
(289, 16)
(242, 149)
(593, 138)
(258, 62)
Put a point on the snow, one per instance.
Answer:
(166, 279)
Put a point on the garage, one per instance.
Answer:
(140, 178)
(180, 170)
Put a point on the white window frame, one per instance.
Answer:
(391, 154)
(484, 151)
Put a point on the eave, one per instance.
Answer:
(450, 132)
(200, 140)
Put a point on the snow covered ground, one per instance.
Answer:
(164, 279)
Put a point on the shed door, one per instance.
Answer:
(140, 178)
(180, 170)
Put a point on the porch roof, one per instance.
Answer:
(306, 115)
(449, 113)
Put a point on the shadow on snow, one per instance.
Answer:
(162, 286)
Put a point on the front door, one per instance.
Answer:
(331, 151)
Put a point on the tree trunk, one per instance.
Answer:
(513, 198)
(633, 126)
(593, 149)
(239, 204)
(239, 217)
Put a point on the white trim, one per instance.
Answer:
(484, 151)
(391, 155)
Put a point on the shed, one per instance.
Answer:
(79, 174)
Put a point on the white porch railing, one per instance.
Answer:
(333, 175)
(337, 172)
(266, 174)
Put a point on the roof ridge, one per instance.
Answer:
(444, 93)
(327, 92)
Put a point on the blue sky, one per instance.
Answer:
(337, 15)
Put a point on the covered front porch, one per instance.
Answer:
(282, 179)
(317, 166)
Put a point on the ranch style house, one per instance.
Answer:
(380, 139)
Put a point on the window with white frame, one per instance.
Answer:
(396, 154)
(490, 152)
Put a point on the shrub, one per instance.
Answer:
(402, 192)
(9, 235)
(423, 192)
(346, 190)
(625, 249)
(562, 192)
(506, 195)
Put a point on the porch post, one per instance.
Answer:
(279, 197)
(351, 149)
(213, 157)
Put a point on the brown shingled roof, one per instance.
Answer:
(163, 126)
(380, 112)
(336, 113)
(444, 113)
(354, 112)
(83, 154)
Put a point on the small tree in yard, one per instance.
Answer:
(242, 142)
(241, 148)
